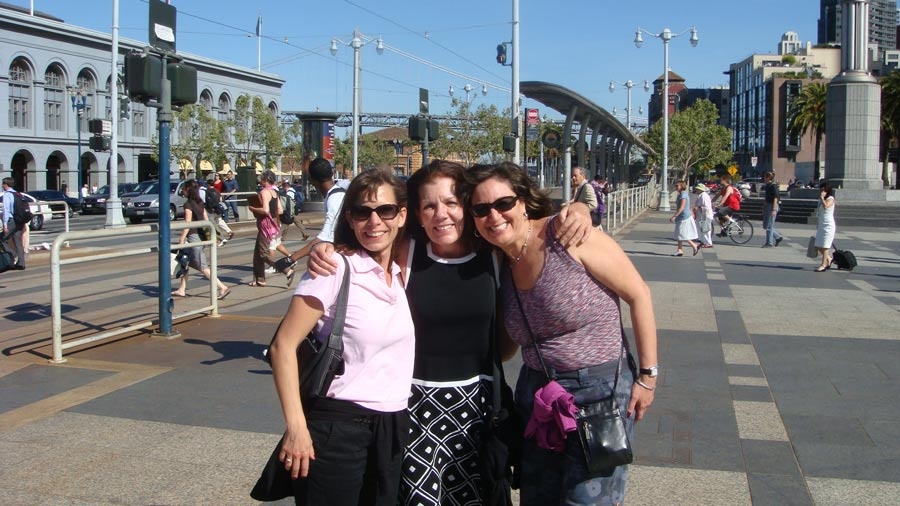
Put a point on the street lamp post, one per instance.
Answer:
(666, 35)
(628, 85)
(79, 102)
(468, 89)
(356, 43)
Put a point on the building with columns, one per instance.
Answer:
(44, 61)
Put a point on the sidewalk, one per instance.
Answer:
(778, 386)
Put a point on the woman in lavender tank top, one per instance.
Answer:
(569, 296)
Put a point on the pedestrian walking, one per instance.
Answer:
(212, 198)
(194, 211)
(14, 232)
(321, 175)
(703, 215)
(267, 208)
(771, 206)
(584, 192)
(229, 188)
(685, 230)
(294, 219)
(825, 224)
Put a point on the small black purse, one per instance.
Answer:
(601, 424)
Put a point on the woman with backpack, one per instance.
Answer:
(194, 210)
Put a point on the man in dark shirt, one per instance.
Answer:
(770, 211)
(229, 186)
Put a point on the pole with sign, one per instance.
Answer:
(532, 132)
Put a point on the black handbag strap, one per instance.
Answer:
(537, 347)
(336, 338)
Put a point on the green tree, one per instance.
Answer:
(807, 113)
(200, 137)
(257, 133)
(696, 141)
(373, 152)
(890, 119)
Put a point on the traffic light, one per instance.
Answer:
(143, 77)
(418, 126)
(501, 54)
(509, 143)
(184, 83)
(123, 108)
(99, 143)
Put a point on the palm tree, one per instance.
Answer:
(807, 113)
(890, 117)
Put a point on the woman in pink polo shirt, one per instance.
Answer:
(347, 448)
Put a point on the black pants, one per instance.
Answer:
(356, 463)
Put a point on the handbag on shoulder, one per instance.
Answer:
(318, 364)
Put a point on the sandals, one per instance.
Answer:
(696, 250)
(224, 294)
(257, 283)
(678, 254)
(179, 295)
(289, 274)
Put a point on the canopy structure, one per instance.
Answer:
(610, 142)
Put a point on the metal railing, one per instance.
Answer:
(65, 211)
(55, 277)
(624, 205)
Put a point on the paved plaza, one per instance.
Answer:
(778, 385)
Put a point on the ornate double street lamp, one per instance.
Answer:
(79, 102)
(356, 42)
(468, 89)
(628, 85)
(666, 35)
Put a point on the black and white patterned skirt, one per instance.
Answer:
(441, 464)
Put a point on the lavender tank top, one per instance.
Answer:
(574, 317)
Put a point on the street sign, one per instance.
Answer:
(532, 122)
(107, 128)
(162, 26)
(532, 117)
(753, 161)
(423, 101)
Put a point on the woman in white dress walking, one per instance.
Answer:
(685, 230)
(825, 227)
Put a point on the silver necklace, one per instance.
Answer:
(516, 259)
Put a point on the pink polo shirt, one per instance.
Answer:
(379, 338)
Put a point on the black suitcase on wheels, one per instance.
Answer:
(844, 259)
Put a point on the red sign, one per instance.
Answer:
(531, 116)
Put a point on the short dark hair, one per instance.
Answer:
(320, 170)
(537, 203)
(365, 184)
(827, 188)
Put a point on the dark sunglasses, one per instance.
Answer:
(502, 205)
(384, 211)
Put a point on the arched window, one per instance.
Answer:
(87, 86)
(138, 119)
(54, 99)
(20, 81)
(224, 115)
(206, 101)
(273, 109)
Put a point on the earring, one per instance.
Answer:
(477, 234)
(525, 214)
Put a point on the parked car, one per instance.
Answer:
(146, 205)
(643, 180)
(96, 202)
(713, 185)
(40, 211)
(72, 203)
(139, 189)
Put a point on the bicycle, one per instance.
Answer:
(740, 230)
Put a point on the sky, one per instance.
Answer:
(579, 44)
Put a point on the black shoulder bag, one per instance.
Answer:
(601, 424)
(318, 363)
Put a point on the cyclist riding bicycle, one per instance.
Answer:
(729, 203)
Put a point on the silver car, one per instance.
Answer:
(146, 205)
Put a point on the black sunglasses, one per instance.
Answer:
(384, 211)
(502, 205)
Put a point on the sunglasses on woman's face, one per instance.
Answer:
(502, 205)
(384, 211)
